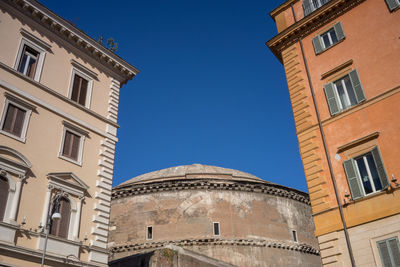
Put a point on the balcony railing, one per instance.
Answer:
(311, 5)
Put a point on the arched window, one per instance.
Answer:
(3, 196)
(60, 227)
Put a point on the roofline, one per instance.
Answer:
(280, 8)
(72, 34)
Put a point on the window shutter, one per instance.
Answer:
(19, 122)
(353, 179)
(307, 7)
(67, 144)
(339, 31)
(358, 90)
(392, 4)
(75, 146)
(380, 167)
(384, 253)
(394, 247)
(75, 88)
(82, 93)
(3, 196)
(317, 44)
(65, 211)
(331, 99)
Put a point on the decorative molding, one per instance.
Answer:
(203, 184)
(300, 247)
(83, 69)
(34, 39)
(358, 141)
(309, 24)
(59, 176)
(74, 36)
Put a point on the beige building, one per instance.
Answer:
(59, 93)
(212, 214)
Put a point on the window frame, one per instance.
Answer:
(41, 56)
(386, 240)
(295, 236)
(219, 229)
(10, 99)
(368, 169)
(84, 75)
(318, 42)
(75, 130)
(147, 232)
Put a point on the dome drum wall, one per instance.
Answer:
(256, 220)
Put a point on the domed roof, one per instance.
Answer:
(195, 171)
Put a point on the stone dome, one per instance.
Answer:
(194, 171)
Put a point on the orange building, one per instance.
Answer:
(341, 59)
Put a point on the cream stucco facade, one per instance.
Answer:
(34, 163)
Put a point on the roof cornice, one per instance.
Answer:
(76, 37)
(309, 24)
(282, 7)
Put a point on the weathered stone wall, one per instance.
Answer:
(255, 225)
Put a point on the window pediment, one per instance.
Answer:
(68, 182)
(13, 161)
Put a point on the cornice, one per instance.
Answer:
(209, 184)
(309, 24)
(301, 247)
(73, 35)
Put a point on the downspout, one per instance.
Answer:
(346, 233)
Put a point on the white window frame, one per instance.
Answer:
(219, 229)
(369, 174)
(89, 88)
(10, 99)
(41, 57)
(75, 130)
(328, 33)
(346, 93)
(147, 232)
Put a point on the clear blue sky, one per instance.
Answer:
(209, 90)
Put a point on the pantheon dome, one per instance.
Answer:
(224, 214)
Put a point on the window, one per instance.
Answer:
(72, 143)
(81, 85)
(393, 4)
(14, 121)
(311, 5)
(329, 38)
(149, 233)
(344, 93)
(216, 229)
(4, 188)
(60, 227)
(294, 235)
(389, 252)
(30, 57)
(366, 174)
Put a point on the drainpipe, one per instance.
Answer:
(346, 233)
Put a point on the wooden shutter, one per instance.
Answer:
(75, 146)
(14, 120)
(395, 250)
(79, 89)
(71, 145)
(83, 91)
(4, 187)
(392, 4)
(317, 44)
(384, 253)
(60, 227)
(353, 178)
(307, 7)
(339, 31)
(380, 167)
(356, 83)
(331, 98)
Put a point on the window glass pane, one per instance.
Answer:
(341, 93)
(216, 228)
(22, 63)
(364, 175)
(334, 38)
(325, 40)
(350, 91)
(316, 3)
(31, 67)
(150, 232)
(374, 172)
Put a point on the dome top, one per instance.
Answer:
(194, 171)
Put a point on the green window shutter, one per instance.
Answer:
(357, 87)
(339, 31)
(380, 167)
(384, 253)
(392, 4)
(394, 248)
(353, 179)
(331, 98)
(307, 7)
(317, 44)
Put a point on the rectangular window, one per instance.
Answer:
(28, 61)
(294, 234)
(393, 4)
(72, 143)
(216, 229)
(389, 252)
(79, 89)
(311, 5)
(344, 93)
(149, 232)
(366, 174)
(332, 36)
(15, 117)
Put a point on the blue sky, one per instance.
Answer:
(209, 90)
